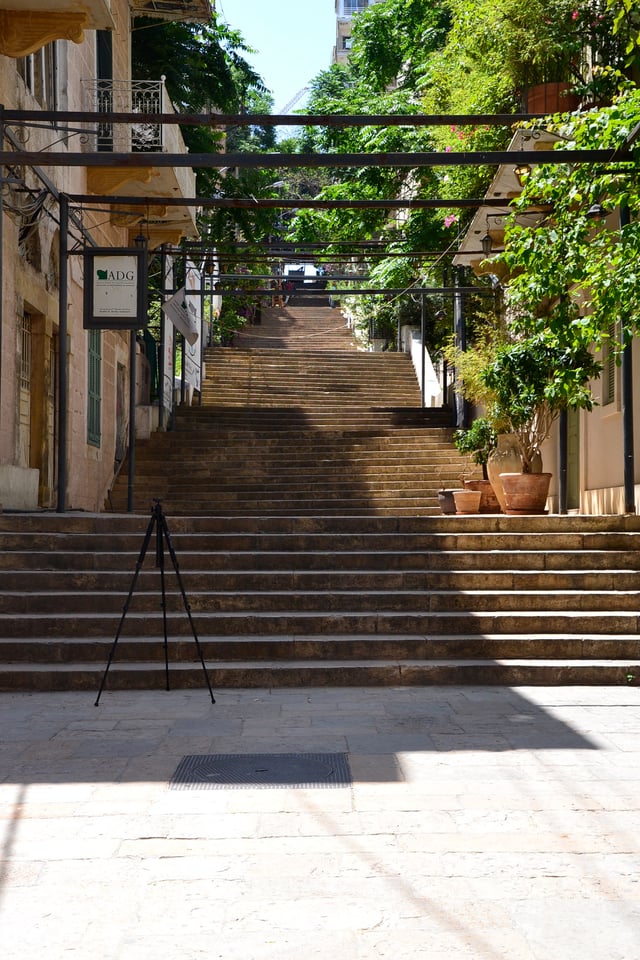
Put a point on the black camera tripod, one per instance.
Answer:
(158, 523)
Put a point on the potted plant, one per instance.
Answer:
(478, 442)
(532, 379)
(467, 500)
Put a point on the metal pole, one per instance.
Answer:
(563, 436)
(460, 332)
(164, 268)
(62, 355)
(202, 328)
(627, 399)
(422, 356)
(1, 261)
(132, 418)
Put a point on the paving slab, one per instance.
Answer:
(475, 823)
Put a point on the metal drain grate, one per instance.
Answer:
(265, 770)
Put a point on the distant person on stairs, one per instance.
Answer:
(288, 290)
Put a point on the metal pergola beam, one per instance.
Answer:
(476, 158)
(312, 289)
(272, 119)
(244, 203)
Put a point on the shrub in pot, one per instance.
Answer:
(478, 442)
(532, 380)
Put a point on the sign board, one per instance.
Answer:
(181, 310)
(166, 389)
(115, 288)
(192, 355)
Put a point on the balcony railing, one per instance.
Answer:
(128, 96)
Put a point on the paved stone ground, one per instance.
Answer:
(481, 824)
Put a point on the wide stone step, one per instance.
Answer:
(143, 676)
(603, 583)
(67, 604)
(269, 648)
(344, 621)
(439, 562)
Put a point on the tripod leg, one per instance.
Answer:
(139, 562)
(187, 606)
(163, 602)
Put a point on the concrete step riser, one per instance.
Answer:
(335, 599)
(184, 651)
(88, 678)
(297, 622)
(620, 586)
(615, 564)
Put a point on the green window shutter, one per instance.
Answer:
(94, 399)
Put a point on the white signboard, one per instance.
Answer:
(193, 348)
(180, 310)
(167, 346)
(115, 288)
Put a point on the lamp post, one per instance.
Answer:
(141, 243)
(627, 399)
(63, 363)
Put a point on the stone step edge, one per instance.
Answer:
(322, 638)
(318, 665)
(61, 677)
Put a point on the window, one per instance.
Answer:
(354, 6)
(25, 352)
(94, 392)
(38, 71)
(608, 377)
(346, 43)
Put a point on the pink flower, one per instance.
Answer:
(450, 219)
(575, 14)
(447, 149)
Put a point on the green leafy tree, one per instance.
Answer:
(204, 65)
(569, 273)
(206, 69)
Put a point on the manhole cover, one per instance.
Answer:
(236, 770)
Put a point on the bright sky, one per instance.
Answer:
(293, 39)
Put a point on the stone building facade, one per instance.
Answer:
(71, 55)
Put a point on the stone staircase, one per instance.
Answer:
(321, 600)
(292, 431)
(300, 499)
(305, 323)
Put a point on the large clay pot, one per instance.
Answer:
(467, 501)
(489, 503)
(551, 98)
(505, 458)
(525, 493)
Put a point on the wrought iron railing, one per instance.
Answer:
(127, 96)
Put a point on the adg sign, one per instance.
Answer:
(115, 288)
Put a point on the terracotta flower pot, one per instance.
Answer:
(506, 458)
(551, 98)
(467, 501)
(525, 493)
(489, 502)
